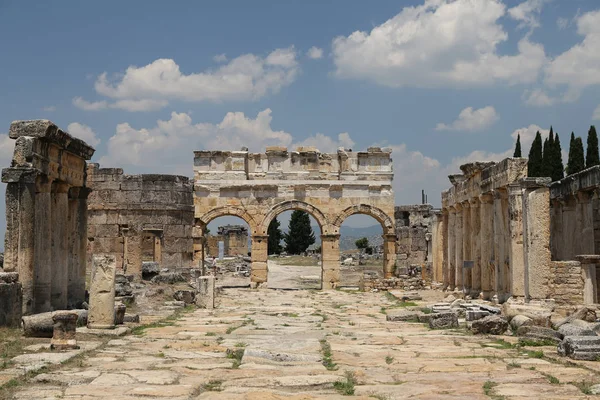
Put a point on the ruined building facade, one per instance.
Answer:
(46, 215)
(414, 233)
(140, 218)
(234, 238)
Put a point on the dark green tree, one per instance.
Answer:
(591, 156)
(275, 236)
(557, 164)
(518, 147)
(534, 163)
(300, 234)
(362, 243)
(546, 153)
(570, 156)
(576, 156)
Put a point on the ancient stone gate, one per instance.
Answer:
(331, 187)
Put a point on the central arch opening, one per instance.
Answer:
(294, 261)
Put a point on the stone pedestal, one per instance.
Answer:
(258, 275)
(63, 337)
(330, 273)
(102, 293)
(206, 292)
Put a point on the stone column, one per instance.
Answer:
(42, 246)
(486, 236)
(389, 254)
(330, 261)
(451, 264)
(260, 270)
(475, 248)
(77, 245)
(102, 292)
(59, 215)
(498, 247)
(466, 272)
(20, 231)
(588, 271)
(536, 212)
(516, 250)
(458, 253)
(442, 241)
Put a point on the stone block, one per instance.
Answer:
(520, 320)
(102, 294)
(580, 347)
(187, 296)
(120, 313)
(205, 297)
(444, 320)
(64, 329)
(492, 325)
(11, 300)
(575, 330)
(474, 315)
(539, 333)
(404, 316)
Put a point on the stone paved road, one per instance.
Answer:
(282, 334)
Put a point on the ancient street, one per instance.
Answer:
(274, 344)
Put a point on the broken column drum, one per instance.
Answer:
(47, 167)
(259, 186)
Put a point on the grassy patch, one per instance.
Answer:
(327, 359)
(240, 344)
(212, 386)
(534, 353)
(488, 387)
(513, 365)
(211, 334)
(426, 310)
(535, 342)
(584, 386)
(292, 315)
(346, 387)
(552, 379)
(389, 359)
(235, 355)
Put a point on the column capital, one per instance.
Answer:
(486, 198)
(475, 201)
(458, 207)
(465, 204)
(43, 184)
(500, 193)
(60, 187)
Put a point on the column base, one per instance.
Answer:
(101, 326)
(330, 279)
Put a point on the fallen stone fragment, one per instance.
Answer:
(131, 318)
(474, 315)
(42, 325)
(404, 316)
(575, 330)
(492, 325)
(584, 314)
(65, 324)
(580, 347)
(539, 333)
(150, 269)
(443, 320)
(120, 313)
(187, 296)
(493, 310)
(540, 315)
(169, 278)
(520, 320)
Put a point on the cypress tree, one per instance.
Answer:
(570, 156)
(546, 155)
(534, 163)
(300, 234)
(576, 157)
(518, 147)
(275, 236)
(557, 167)
(591, 156)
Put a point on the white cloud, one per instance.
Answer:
(171, 143)
(538, 98)
(578, 67)
(596, 116)
(315, 53)
(562, 23)
(247, 77)
(438, 44)
(49, 108)
(326, 144)
(7, 148)
(84, 133)
(220, 58)
(471, 120)
(527, 13)
(83, 104)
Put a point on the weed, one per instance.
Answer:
(584, 386)
(235, 355)
(346, 388)
(351, 323)
(211, 334)
(513, 365)
(534, 353)
(160, 354)
(212, 386)
(552, 379)
(292, 315)
(240, 344)
(426, 310)
(327, 360)
(220, 339)
(488, 387)
(389, 359)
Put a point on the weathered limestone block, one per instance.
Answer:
(492, 325)
(187, 296)
(539, 333)
(206, 292)
(150, 269)
(520, 320)
(540, 315)
(575, 330)
(580, 347)
(120, 313)
(474, 315)
(102, 295)
(63, 337)
(404, 315)
(443, 320)
(11, 299)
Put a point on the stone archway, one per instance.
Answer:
(258, 186)
(387, 225)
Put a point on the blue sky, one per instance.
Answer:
(441, 82)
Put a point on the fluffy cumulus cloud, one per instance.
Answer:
(470, 120)
(538, 98)
(596, 115)
(527, 13)
(84, 133)
(441, 43)
(315, 53)
(578, 67)
(151, 87)
(7, 147)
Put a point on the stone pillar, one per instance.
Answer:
(536, 212)
(102, 292)
(20, 231)
(588, 270)
(330, 261)
(260, 270)
(466, 272)
(65, 325)
(206, 292)
(59, 244)
(498, 247)
(389, 254)
(458, 253)
(517, 264)
(76, 288)
(475, 248)
(42, 246)
(442, 241)
(451, 264)
(486, 236)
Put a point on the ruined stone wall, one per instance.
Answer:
(212, 245)
(136, 217)
(575, 210)
(11, 299)
(414, 225)
(496, 232)
(235, 240)
(566, 282)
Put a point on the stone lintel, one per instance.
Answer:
(586, 180)
(473, 168)
(588, 258)
(47, 130)
(15, 175)
(535, 183)
(456, 178)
